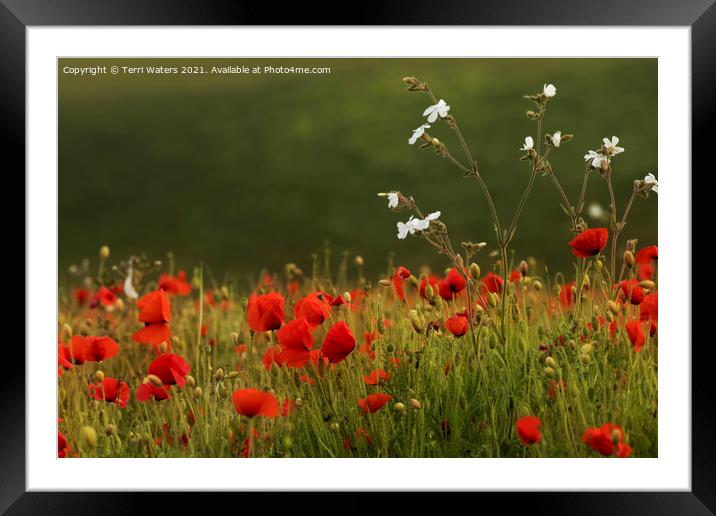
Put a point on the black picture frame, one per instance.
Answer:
(700, 15)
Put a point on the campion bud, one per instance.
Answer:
(163, 346)
(154, 380)
(219, 374)
(232, 375)
(548, 371)
(613, 307)
(190, 380)
(436, 143)
(399, 407)
(104, 252)
(629, 259)
(359, 261)
(110, 429)
(88, 437)
(474, 270)
(586, 349)
(532, 115)
(537, 285)
(99, 376)
(198, 392)
(384, 283)
(416, 404)
(647, 284)
(549, 362)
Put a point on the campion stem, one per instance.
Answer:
(615, 230)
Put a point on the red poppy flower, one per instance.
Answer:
(376, 377)
(250, 403)
(649, 311)
(175, 285)
(288, 407)
(554, 387)
(104, 297)
(360, 434)
(92, 349)
(647, 254)
(81, 296)
(632, 291)
(515, 276)
(457, 325)
(149, 390)
(63, 358)
(295, 334)
(492, 283)
(452, 285)
(246, 450)
(339, 342)
(590, 242)
(635, 331)
(433, 282)
(606, 440)
(110, 390)
(528, 429)
(63, 449)
(401, 273)
(170, 369)
(313, 308)
(645, 271)
(155, 312)
(567, 297)
(374, 402)
(265, 312)
(272, 356)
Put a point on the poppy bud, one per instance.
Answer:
(586, 359)
(190, 380)
(154, 380)
(104, 252)
(647, 284)
(492, 299)
(384, 283)
(198, 392)
(163, 346)
(88, 437)
(415, 321)
(629, 259)
(399, 407)
(381, 326)
(429, 292)
(359, 261)
(234, 338)
(232, 375)
(414, 281)
(548, 371)
(67, 331)
(586, 349)
(616, 436)
(613, 307)
(298, 403)
(347, 297)
(493, 341)
(390, 347)
(219, 374)
(287, 442)
(110, 430)
(335, 427)
(416, 404)
(474, 270)
(99, 376)
(549, 362)
(586, 281)
(524, 268)
(537, 285)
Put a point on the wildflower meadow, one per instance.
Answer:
(491, 354)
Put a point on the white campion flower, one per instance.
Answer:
(392, 200)
(650, 179)
(596, 211)
(548, 90)
(406, 227)
(129, 287)
(529, 143)
(417, 133)
(611, 146)
(432, 112)
(556, 138)
(423, 224)
(595, 159)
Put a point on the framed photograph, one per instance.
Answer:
(390, 256)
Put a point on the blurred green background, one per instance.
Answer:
(244, 171)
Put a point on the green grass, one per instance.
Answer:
(245, 172)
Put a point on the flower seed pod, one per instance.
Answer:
(474, 270)
(88, 437)
(549, 372)
(399, 407)
(629, 259)
(104, 252)
(416, 404)
(359, 261)
(549, 362)
(390, 347)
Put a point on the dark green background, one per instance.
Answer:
(251, 171)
